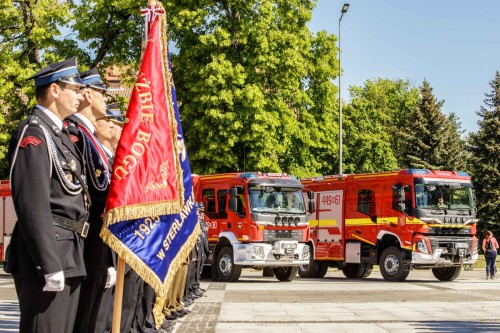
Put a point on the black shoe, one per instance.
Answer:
(202, 290)
(187, 302)
(165, 330)
(179, 314)
(167, 324)
(171, 316)
(193, 296)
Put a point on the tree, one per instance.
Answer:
(485, 149)
(34, 33)
(432, 140)
(254, 85)
(373, 122)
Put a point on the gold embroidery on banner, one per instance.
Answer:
(152, 186)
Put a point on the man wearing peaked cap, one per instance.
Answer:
(65, 71)
(50, 199)
(115, 113)
(94, 312)
(109, 127)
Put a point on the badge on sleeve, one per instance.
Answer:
(29, 140)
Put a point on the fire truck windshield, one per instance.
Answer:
(276, 199)
(444, 196)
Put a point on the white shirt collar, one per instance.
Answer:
(106, 149)
(57, 121)
(86, 121)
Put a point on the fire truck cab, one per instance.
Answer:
(405, 220)
(254, 220)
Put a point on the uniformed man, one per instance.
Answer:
(114, 115)
(96, 292)
(49, 194)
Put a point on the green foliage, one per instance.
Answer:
(254, 86)
(372, 123)
(432, 140)
(35, 33)
(485, 149)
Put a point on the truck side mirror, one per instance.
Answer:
(233, 192)
(311, 206)
(401, 195)
(402, 207)
(310, 195)
(233, 204)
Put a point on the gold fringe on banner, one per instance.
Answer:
(174, 267)
(160, 287)
(167, 78)
(150, 209)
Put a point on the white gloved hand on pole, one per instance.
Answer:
(54, 281)
(111, 279)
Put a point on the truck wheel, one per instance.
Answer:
(227, 271)
(286, 274)
(323, 269)
(309, 271)
(391, 265)
(366, 273)
(356, 271)
(447, 273)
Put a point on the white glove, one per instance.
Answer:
(54, 281)
(111, 279)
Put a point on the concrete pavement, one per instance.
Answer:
(332, 304)
(335, 304)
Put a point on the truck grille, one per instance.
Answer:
(448, 242)
(277, 235)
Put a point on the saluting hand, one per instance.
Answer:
(54, 281)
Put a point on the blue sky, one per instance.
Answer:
(455, 45)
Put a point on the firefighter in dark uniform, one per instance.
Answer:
(50, 199)
(96, 291)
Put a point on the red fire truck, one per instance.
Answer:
(256, 220)
(405, 220)
(7, 217)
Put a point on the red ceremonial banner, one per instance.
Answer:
(146, 168)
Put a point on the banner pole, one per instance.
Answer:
(117, 307)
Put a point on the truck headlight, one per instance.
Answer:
(422, 247)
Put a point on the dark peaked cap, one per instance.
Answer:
(92, 79)
(65, 71)
(114, 113)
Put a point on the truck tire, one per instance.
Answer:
(366, 273)
(391, 265)
(356, 271)
(227, 271)
(286, 274)
(309, 271)
(447, 273)
(323, 269)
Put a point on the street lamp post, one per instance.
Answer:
(345, 7)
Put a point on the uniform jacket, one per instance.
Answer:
(38, 247)
(96, 253)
